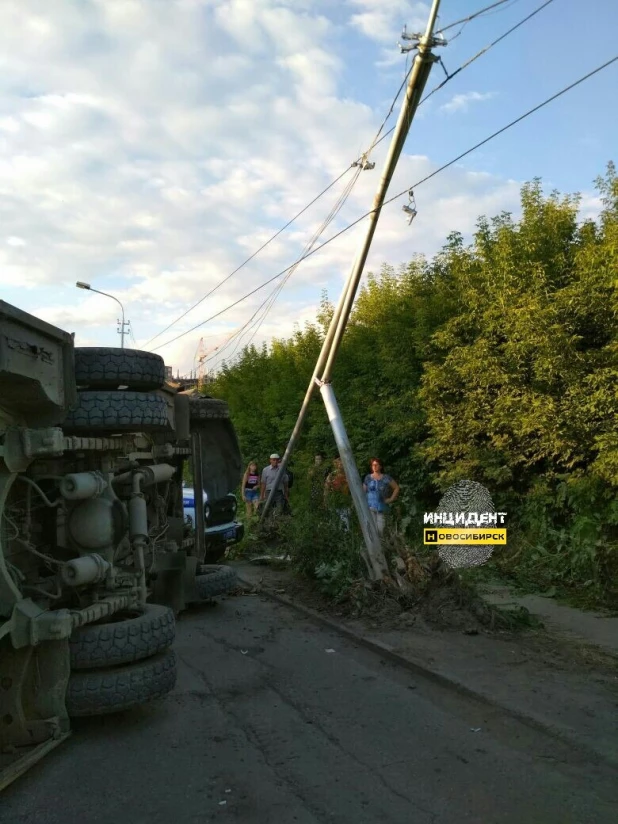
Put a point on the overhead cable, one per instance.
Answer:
(376, 141)
(473, 16)
(360, 163)
(272, 297)
(250, 258)
(484, 50)
(379, 139)
(400, 194)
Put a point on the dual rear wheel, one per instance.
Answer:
(125, 662)
(128, 661)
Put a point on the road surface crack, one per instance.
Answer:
(252, 739)
(332, 739)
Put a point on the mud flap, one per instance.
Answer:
(33, 717)
(24, 758)
(170, 580)
(174, 584)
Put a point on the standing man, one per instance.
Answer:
(269, 473)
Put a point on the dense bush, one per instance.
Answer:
(497, 362)
(311, 537)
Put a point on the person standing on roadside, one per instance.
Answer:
(381, 491)
(269, 474)
(251, 488)
(337, 492)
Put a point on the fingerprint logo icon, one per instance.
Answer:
(472, 497)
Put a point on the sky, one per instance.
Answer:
(148, 147)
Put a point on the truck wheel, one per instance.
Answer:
(114, 690)
(117, 412)
(99, 367)
(203, 409)
(123, 641)
(214, 579)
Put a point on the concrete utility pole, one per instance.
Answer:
(322, 373)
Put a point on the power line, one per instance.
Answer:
(240, 300)
(264, 316)
(270, 300)
(376, 141)
(499, 132)
(250, 258)
(469, 62)
(274, 294)
(359, 162)
(272, 297)
(390, 111)
(477, 145)
(403, 192)
(490, 46)
(474, 15)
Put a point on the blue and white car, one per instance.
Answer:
(222, 528)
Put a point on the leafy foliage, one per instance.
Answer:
(496, 361)
(311, 537)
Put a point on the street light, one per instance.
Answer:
(81, 285)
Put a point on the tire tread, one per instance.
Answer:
(215, 579)
(111, 644)
(101, 692)
(117, 411)
(108, 368)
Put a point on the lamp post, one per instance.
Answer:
(81, 285)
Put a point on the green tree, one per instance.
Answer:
(495, 361)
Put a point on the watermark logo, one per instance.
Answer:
(466, 526)
(464, 537)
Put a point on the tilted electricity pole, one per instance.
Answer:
(322, 373)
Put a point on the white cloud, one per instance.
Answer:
(461, 102)
(590, 207)
(383, 20)
(148, 148)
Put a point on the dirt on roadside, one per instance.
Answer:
(445, 605)
(569, 687)
(450, 611)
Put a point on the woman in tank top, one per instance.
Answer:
(251, 488)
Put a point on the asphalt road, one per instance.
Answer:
(277, 720)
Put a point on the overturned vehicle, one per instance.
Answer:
(96, 556)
